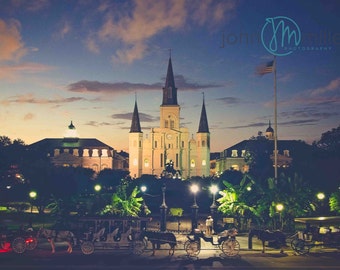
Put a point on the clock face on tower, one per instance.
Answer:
(169, 136)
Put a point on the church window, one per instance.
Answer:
(162, 161)
(166, 124)
(176, 160)
(182, 144)
(204, 162)
(146, 163)
(155, 144)
(140, 144)
(233, 153)
(203, 143)
(192, 163)
(95, 167)
(172, 124)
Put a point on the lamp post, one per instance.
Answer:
(279, 208)
(163, 208)
(194, 189)
(144, 208)
(33, 196)
(213, 206)
(321, 207)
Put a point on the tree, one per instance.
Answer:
(124, 204)
(334, 202)
(330, 142)
(292, 192)
(236, 200)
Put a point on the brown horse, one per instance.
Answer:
(276, 237)
(60, 236)
(160, 238)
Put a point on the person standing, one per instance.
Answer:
(209, 225)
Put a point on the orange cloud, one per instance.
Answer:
(11, 71)
(148, 18)
(11, 46)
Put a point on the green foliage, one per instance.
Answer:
(334, 202)
(235, 200)
(176, 212)
(124, 204)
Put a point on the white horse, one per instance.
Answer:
(58, 236)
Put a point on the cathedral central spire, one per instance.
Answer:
(169, 90)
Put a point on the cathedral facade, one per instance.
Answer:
(169, 150)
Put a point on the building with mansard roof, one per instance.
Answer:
(77, 152)
(169, 150)
(234, 156)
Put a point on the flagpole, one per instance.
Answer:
(275, 123)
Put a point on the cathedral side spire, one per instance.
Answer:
(169, 90)
(135, 124)
(203, 125)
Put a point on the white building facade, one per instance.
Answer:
(168, 150)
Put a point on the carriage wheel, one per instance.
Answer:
(192, 248)
(299, 246)
(138, 247)
(19, 245)
(230, 247)
(5, 245)
(31, 243)
(87, 247)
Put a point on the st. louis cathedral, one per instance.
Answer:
(169, 150)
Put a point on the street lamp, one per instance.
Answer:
(194, 189)
(163, 209)
(279, 208)
(320, 196)
(321, 207)
(33, 196)
(213, 207)
(144, 206)
(97, 188)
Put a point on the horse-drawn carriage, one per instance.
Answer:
(19, 241)
(226, 241)
(111, 233)
(319, 232)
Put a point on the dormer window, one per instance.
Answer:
(234, 153)
(286, 153)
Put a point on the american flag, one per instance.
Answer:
(265, 69)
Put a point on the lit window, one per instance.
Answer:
(286, 153)
(234, 153)
(192, 163)
(243, 153)
(204, 163)
(146, 163)
(235, 167)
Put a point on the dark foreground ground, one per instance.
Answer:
(210, 257)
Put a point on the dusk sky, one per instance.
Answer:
(87, 60)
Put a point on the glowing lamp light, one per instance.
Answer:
(320, 196)
(97, 188)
